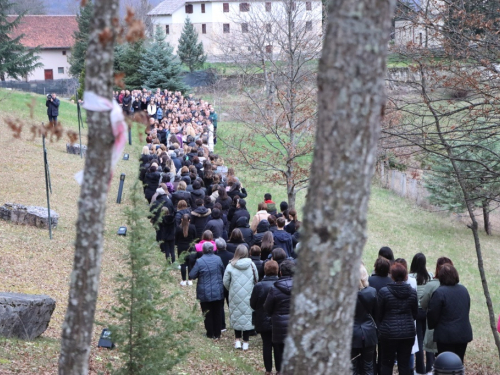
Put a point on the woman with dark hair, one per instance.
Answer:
(267, 245)
(182, 209)
(182, 194)
(448, 313)
(419, 272)
(215, 224)
(235, 240)
(224, 200)
(364, 335)
(151, 180)
(291, 227)
(235, 190)
(386, 252)
(233, 208)
(272, 223)
(431, 286)
(380, 277)
(185, 235)
(396, 314)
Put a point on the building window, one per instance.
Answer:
(167, 29)
(202, 8)
(203, 28)
(225, 7)
(244, 7)
(64, 53)
(225, 27)
(309, 25)
(269, 49)
(244, 27)
(268, 7)
(189, 8)
(60, 70)
(269, 28)
(308, 5)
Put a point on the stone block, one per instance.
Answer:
(25, 316)
(29, 215)
(75, 149)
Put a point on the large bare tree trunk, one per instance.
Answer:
(350, 102)
(84, 283)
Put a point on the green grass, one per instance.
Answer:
(31, 263)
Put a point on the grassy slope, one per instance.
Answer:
(31, 263)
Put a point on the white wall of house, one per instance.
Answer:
(52, 59)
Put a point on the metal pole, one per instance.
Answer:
(79, 115)
(130, 135)
(120, 188)
(47, 177)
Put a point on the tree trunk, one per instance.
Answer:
(350, 102)
(486, 216)
(84, 283)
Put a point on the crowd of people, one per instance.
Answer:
(200, 213)
(198, 206)
(408, 316)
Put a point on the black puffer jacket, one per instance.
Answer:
(262, 228)
(365, 331)
(260, 319)
(199, 219)
(246, 231)
(197, 194)
(397, 311)
(231, 246)
(242, 194)
(180, 195)
(259, 264)
(283, 240)
(448, 315)
(216, 226)
(209, 271)
(151, 180)
(238, 213)
(277, 306)
(225, 203)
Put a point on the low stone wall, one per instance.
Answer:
(75, 149)
(28, 215)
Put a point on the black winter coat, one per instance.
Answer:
(242, 194)
(52, 107)
(197, 194)
(238, 213)
(184, 243)
(284, 240)
(231, 246)
(260, 319)
(209, 271)
(397, 311)
(277, 306)
(365, 331)
(259, 264)
(246, 231)
(167, 228)
(225, 256)
(151, 180)
(262, 228)
(225, 203)
(448, 315)
(179, 214)
(180, 195)
(378, 282)
(199, 219)
(216, 226)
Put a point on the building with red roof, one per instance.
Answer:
(54, 35)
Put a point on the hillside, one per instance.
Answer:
(31, 263)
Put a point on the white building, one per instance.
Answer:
(219, 20)
(54, 36)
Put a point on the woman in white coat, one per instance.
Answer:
(239, 279)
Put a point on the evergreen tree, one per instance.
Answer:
(77, 58)
(189, 50)
(129, 61)
(149, 335)
(16, 60)
(160, 67)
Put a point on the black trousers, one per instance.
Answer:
(246, 335)
(226, 297)
(168, 248)
(267, 351)
(53, 120)
(419, 356)
(213, 317)
(458, 349)
(395, 349)
(279, 348)
(362, 364)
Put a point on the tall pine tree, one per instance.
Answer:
(189, 50)
(16, 60)
(149, 335)
(77, 58)
(128, 60)
(160, 67)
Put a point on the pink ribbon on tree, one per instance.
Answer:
(96, 103)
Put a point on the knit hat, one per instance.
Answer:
(160, 191)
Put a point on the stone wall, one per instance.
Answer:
(28, 215)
